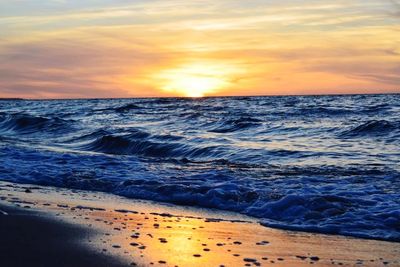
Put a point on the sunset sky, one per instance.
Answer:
(120, 48)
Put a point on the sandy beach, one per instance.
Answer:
(31, 238)
(45, 226)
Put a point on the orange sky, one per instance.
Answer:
(70, 49)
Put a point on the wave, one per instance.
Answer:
(334, 214)
(127, 107)
(141, 143)
(28, 124)
(323, 111)
(233, 125)
(377, 108)
(328, 199)
(121, 109)
(372, 128)
(321, 212)
(87, 137)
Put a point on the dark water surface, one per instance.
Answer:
(327, 164)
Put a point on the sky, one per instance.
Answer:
(146, 48)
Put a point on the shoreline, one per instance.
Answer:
(125, 231)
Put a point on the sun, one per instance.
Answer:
(194, 79)
(193, 85)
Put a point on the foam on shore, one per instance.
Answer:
(146, 233)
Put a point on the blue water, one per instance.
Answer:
(327, 164)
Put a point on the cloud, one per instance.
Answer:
(64, 66)
(396, 5)
(381, 78)
(113, 48)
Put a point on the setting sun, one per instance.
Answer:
(195, 79)
(193, 86)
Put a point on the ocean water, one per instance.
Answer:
(327, 164)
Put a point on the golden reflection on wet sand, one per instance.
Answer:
(149, 234)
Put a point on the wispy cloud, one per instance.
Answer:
(114, 48)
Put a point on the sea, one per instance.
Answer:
(324, 164)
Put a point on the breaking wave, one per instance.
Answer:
(27, 124)
(140, 143)
(373, 128)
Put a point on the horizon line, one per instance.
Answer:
(187, 97)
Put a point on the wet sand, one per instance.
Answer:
(31, 238)
(115, 231)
